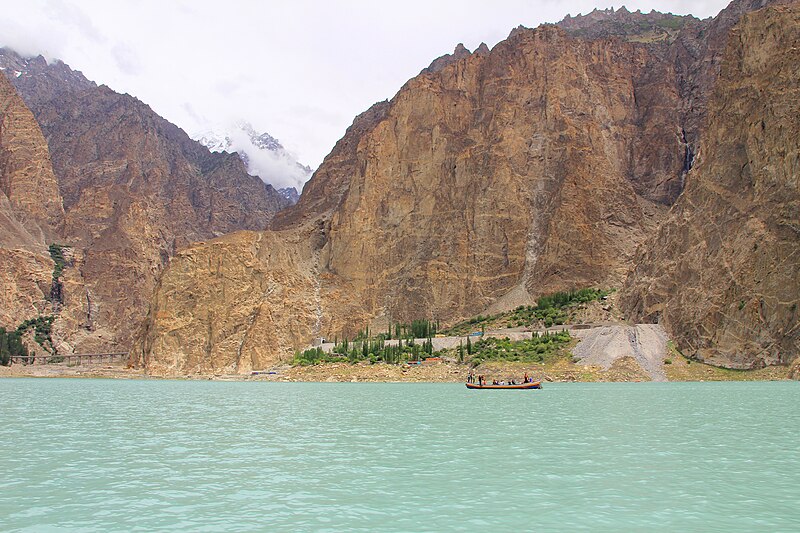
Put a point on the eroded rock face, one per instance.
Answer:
(30, 212)
(32, 207)
(491, 174)
(489, 179)
(234, 304)
(723, 272)
(135, 188)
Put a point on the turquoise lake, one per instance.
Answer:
(115, 455)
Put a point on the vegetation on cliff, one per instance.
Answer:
(57, 255)
(550, 310)
(11, 344)
(42, 330)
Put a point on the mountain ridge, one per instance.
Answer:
(488, 179)
(135, 188)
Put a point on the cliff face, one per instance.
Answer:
(517, 168)
(28, 186)
(491, 178)
(723, 272)
(192, 326)
(135, 188)
(30, 211)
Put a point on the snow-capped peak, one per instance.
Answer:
(261, 152)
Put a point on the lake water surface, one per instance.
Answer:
(105, 455)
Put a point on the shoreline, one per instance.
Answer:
(562, 371)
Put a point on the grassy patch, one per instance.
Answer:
(550, 310)
(539, 349)
(672, 23)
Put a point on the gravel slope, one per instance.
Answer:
(646, 343)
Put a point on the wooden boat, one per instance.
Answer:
(534, 385)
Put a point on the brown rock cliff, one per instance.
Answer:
(135, 188)
(30, 212)
(488, 179)
(723, 272)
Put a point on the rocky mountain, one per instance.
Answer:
(495, 176)
(291, 194)
(31, 212)
(263, 155)
(135, 188)
(723, 272)
(653, 27)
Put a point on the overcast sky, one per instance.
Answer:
(298, 69)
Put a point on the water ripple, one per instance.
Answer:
(97, 455)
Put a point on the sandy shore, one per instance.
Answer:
(115, 371)
(562, 370)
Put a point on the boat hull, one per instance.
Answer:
(521, 386)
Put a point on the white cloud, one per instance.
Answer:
(127, 60)
(300, 70)
(278, 168)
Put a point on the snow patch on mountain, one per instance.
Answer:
(290, 193)
(263, 154)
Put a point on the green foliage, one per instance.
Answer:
(371, 350)
(563, 299)
(419, 329)
(537, 349)
(43, 327)
(10, 345)
(311, 356)
(57, 255)
(549, 310)
(672, 23)
(472, 324)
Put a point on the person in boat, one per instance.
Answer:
(526, 379)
